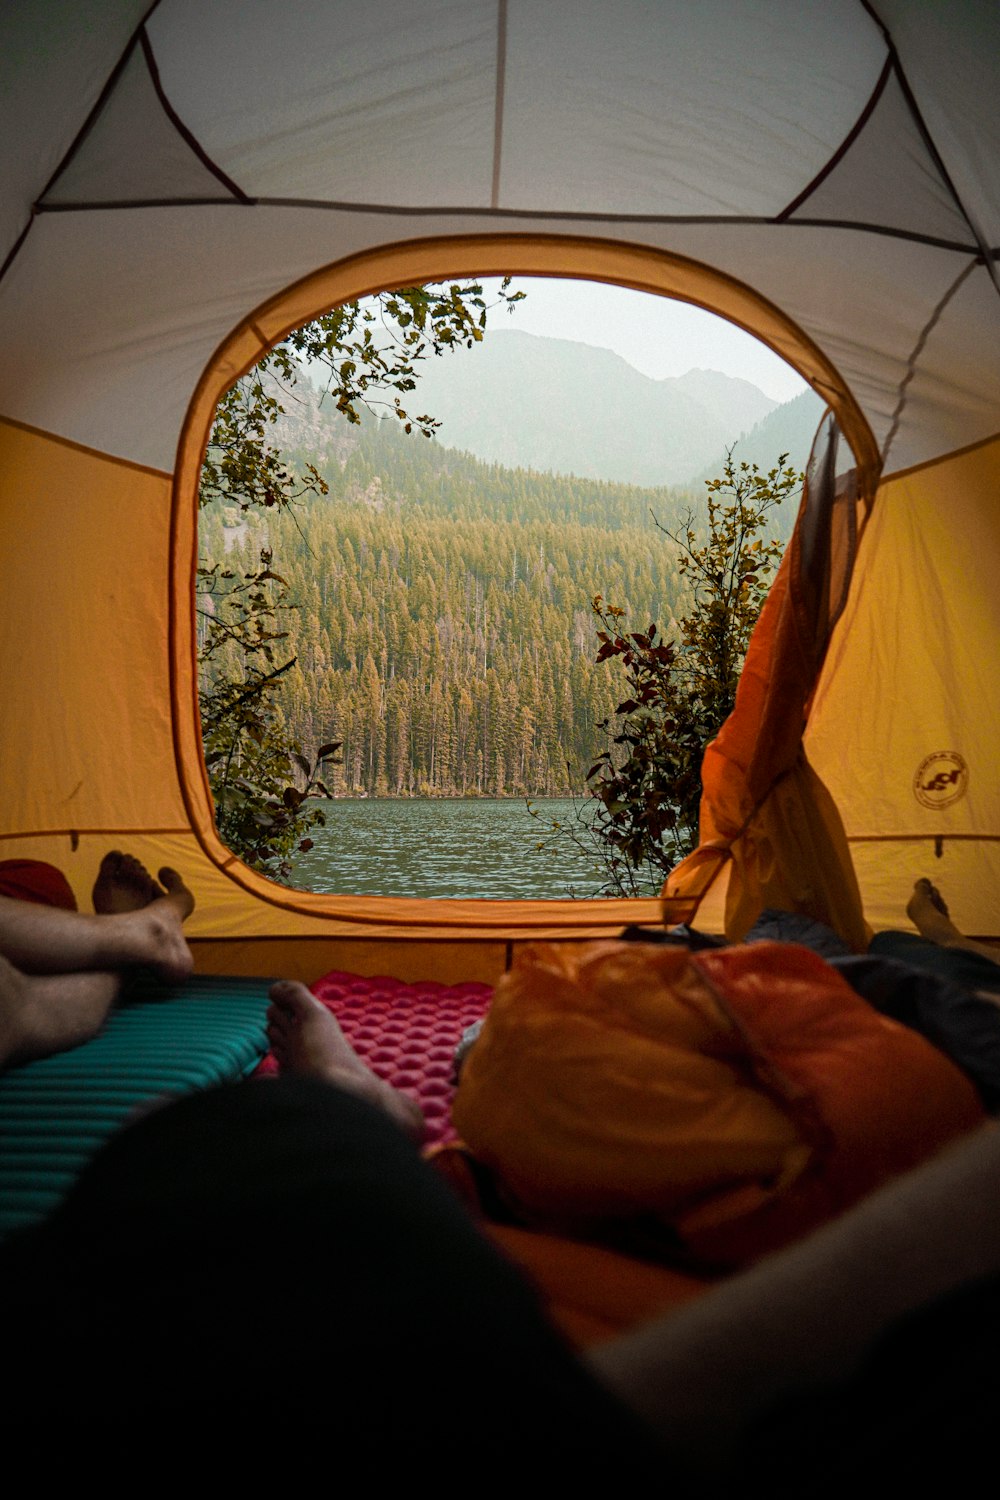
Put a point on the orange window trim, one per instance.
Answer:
(410, 263)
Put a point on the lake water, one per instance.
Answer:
(446, 847)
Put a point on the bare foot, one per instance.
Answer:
(927, 911)
(306, 1039)
(924, 887)
(177, 893)
(44, 1014)
(145, 918)
(166, 949)
(124, 884)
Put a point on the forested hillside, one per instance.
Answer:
(443, 628)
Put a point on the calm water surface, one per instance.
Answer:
(422, 847)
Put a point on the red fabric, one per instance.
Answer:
(406, 1033)
(31, 880)
(872, 1097)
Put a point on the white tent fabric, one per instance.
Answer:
(166, 179)
(169, 170)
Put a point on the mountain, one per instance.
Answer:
(553, 405)
(790, 429)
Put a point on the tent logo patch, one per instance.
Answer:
(941, 779)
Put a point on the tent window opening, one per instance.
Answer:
(407, 512)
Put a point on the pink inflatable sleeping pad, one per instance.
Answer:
(406, 1033)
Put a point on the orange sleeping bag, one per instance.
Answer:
(726, 1101)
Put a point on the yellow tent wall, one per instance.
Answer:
(911, 676)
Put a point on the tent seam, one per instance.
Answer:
(96, 110)
(77, 833)
(183, 131)
(81, 134)
(501, 79)
(929, 142)
(322, 937)
(918, 348)
(99, 453)
(99, 205)
(911, 838)
(545, 215)
(930, 463)
(844, 146)
(12, 253)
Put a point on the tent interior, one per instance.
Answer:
(184, 184)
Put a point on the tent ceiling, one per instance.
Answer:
(840, 159)
(407, 95)
(134, 151)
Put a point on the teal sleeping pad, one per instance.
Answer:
(164, 1040)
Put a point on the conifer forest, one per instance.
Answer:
(438, 611)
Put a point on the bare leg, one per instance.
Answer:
(47, 940)
(306, 1039)
(807, 1317)
(929, 914)
(43, 1014)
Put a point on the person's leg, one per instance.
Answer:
(918, 1416)
(61, 970)
(811, 1319)
(272, 1263)
(306, 1040)
(276, 1253)
(44, 1014)
(927, 911)
(961, 966)
(139, 926)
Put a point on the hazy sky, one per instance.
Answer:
(655, 335)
